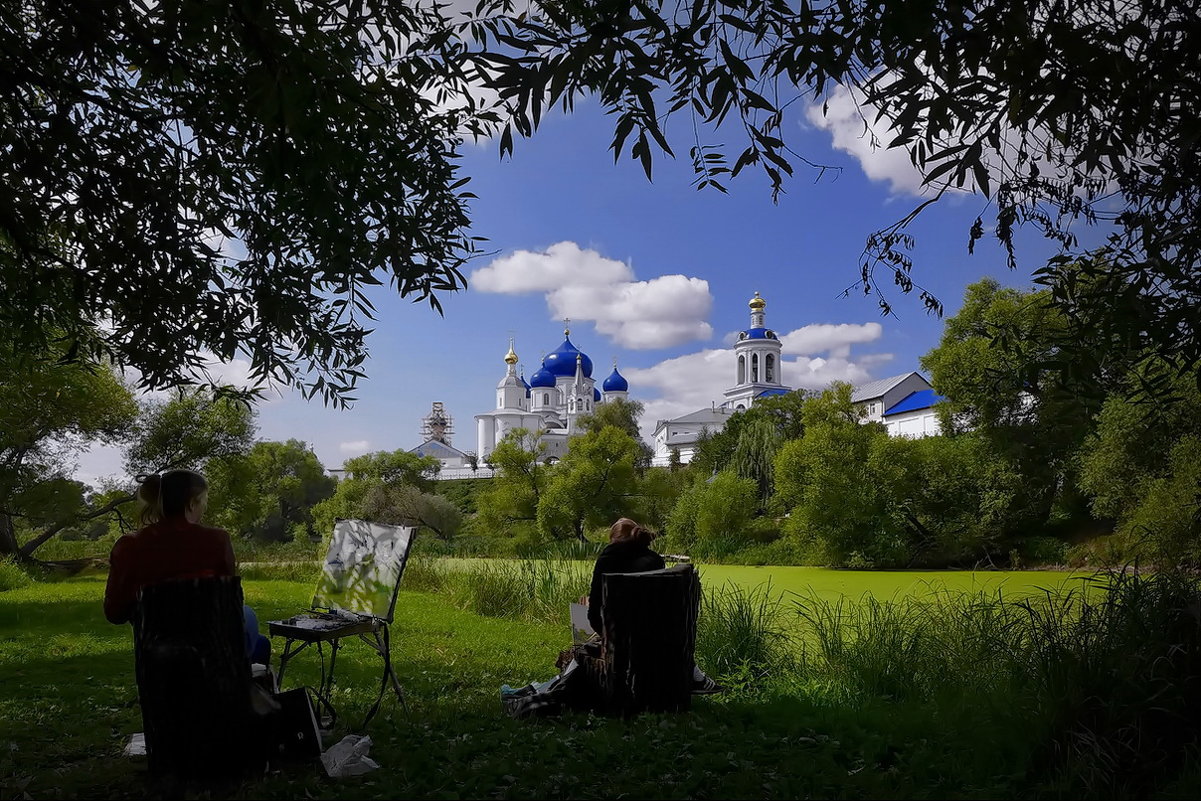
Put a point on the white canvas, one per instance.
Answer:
(362, 569)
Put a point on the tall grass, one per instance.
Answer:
(741, 637)
(425, 573)
(532, 589)
(1109, 675)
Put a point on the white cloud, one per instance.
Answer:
(696, 380)
(584, 285)
(848, 120)
(563, 264)
(835, 338)
(355, 448)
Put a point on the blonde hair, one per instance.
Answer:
(626, 530)
(169, 494)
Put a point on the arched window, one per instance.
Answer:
(754, 367)
(769, 374)
(741, 369)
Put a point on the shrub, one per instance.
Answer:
(12, 577)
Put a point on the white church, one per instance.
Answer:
(563, 389)
(553, 400)
(903, 403)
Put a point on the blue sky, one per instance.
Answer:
(654, 274)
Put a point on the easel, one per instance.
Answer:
(337, 617)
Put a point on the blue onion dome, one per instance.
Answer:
(596, 396)
(561, 360)
(616, 382)
(757, 333)
(542, 378)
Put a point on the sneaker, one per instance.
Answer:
(706, 686)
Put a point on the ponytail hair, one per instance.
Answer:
(626, 530)
(168, 494)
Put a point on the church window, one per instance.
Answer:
(769, 374)
(754, 367)
(741, 369)
(545, 398)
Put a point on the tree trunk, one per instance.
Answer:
(8, 536)
(37, 542)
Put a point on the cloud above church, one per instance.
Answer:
(813, 357)
(584, 285)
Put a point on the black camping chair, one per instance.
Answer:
(194, 679)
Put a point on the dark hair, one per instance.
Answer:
(169, 494)
(626, 530)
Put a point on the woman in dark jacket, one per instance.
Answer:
(629, 551)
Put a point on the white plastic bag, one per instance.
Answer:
(349, 757)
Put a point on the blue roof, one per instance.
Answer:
(596, 396)
(758, 333)
(616, 382)
(542, 378)
(769, 392)
(561, 360)
(922, 399)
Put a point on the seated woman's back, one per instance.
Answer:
(628, 551)
(173, 545)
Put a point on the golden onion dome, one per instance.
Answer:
(757, 302)
(511, 356)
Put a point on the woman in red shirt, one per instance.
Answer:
(173, 545)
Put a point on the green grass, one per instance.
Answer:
(867, 717)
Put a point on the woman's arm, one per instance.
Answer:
(120, 593)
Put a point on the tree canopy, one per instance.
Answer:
(187, 180)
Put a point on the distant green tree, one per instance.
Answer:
(403, 504)
(593, 485)
(188, 430)
(623, 415)
(269, 493)
(713, 514)
(49, 411)
(1008, 395)
(750, 439)
(510, 503)
(656, 493)
(367, 473)
(1135, 467)
(838, 511)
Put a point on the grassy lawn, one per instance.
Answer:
(883, 584)
(69, 703)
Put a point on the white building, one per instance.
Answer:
(552, 401)
(903, 403)
(756, 376)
